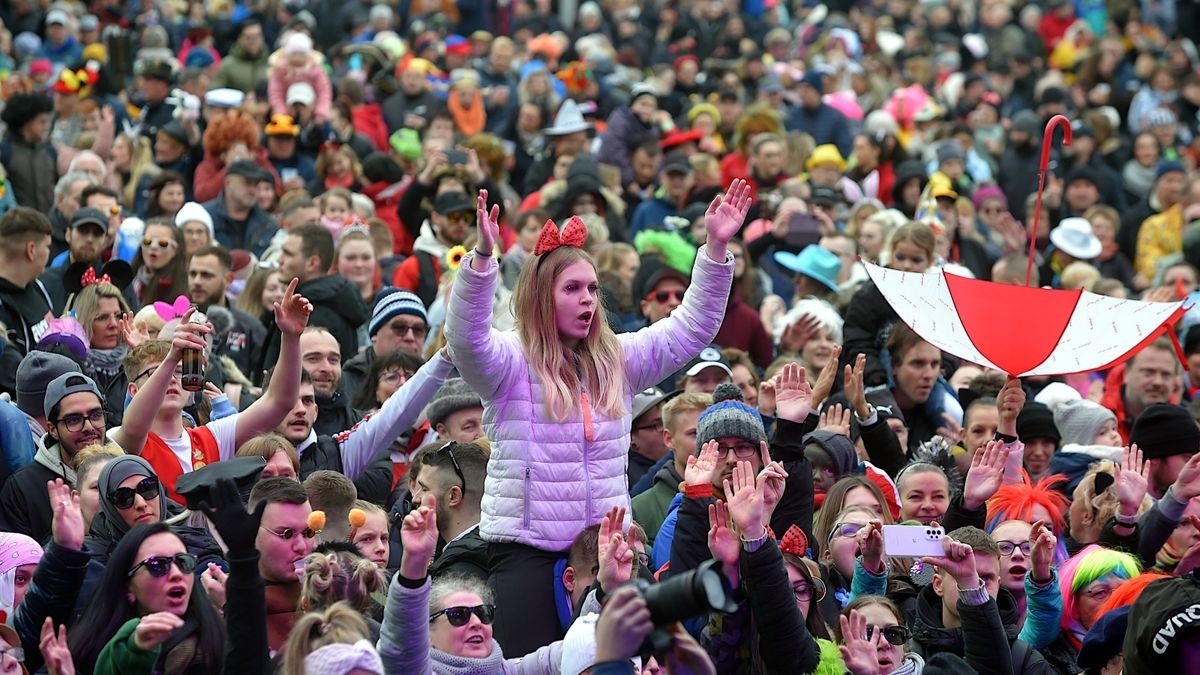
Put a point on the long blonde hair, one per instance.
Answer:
(141, 163)
(599, 361)
(86, 303)
(339, 624)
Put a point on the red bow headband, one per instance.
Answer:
(90, 279)
(574, 234)
(794, 542)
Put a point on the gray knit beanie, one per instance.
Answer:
(1080, 421)
(37, 370)
(454, 395)
(730, 419)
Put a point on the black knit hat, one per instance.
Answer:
(22, 108)
(1163, 430)
(1036, 421)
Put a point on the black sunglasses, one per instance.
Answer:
(160, 565)
(896, 635)
(459, 616)
(662, 296)
(122, 497)
(448, 448)
(287, 533)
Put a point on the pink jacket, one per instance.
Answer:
(281, 76)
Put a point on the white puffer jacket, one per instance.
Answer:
(546, 480)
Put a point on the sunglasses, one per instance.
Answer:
(448, 448)
(158, 243)
(287, 533)
(663, 296)
(459, 616)
(122, 497)
(160, 565)
(896, 635)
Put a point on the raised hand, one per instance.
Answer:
(188, 335)
(771, 481)
(1132, 478)
(292, 312)
(700, 468)
(488, 226)
(958, 560)
(615, 556)
(623, 624)
(797, 333)
(745, 501)
(723, 542)
(985, 475)
(419, 535)
(154, 629)
(1042, 543)
(952, 431)
(224, 509)
(835, 419)
(793, 394)
(870, 542)
(726, 214)
(1009, 402)
(860, 653)
(766, 397)
(827, 377)
(1187, 484)
(852, 385)
(55, 649)
(213, 580)
(67, 520)
(134, 335)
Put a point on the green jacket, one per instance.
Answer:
(122, 656)
(650, 507)
(241, 71)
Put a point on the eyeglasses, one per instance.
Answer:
(158, 243)
(178, 374)
(288, 533)
(740, 450)
(896, 635)
(160, 565)
(459, 616)
(462, 217)
(846, 530)
(1099, 594)
(74, 423)
(122, 497)
(402, 329)
(656, 425)
(663, 296)
(1007, 547)
(448, 448)
(815, 592)
(15, 652)
(394, 376)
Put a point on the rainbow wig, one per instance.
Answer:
(1092, 563)
(1016, 501)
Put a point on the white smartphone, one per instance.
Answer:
(912, 541)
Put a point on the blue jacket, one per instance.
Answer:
(15, 440)
(253, 235)
(650, 214)
(825, 124)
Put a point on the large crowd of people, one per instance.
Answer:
(445, 337)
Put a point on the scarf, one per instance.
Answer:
(469, 117)
(912, 664)
(106, 361)
(1138, 179)
(448, 664)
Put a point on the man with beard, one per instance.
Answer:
(322, 362)
(75, 418)
(153, 424)
(210, 271)
(1147, 378)
(452, 219)
(454, 472)
(361, 452)
(85, 235)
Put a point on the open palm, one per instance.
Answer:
(487, 223)
(727, 212)
(793, 393)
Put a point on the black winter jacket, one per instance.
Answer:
(337, 307)
(375, 483)
(467, 555)
(987, 639)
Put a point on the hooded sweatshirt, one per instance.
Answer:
(337, 307)
(988, 635)
(24, 502)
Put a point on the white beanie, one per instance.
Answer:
(1079, 421)
(192, 211)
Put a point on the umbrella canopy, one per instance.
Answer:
(1021, 330)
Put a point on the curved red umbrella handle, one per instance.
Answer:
(1056, 121)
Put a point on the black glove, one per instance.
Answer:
(237, 527)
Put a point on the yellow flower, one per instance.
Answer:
(455, 257)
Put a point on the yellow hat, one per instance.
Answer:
(704, 108)
(95, 52)
(826, 154)
(940, 185)
(282, 125)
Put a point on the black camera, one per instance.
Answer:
(681, 597)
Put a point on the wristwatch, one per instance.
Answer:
(752, 545)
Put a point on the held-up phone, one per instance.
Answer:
(913, 541)
(456, 157)
(803, 229)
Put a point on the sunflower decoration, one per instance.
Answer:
(455, 256)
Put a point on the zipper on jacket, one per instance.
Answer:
(589, 435)
(525, 511)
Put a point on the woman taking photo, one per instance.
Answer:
(565, 354)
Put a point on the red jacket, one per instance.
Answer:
(368, 121)
(387, 197)
(743, 328)
(210, 175)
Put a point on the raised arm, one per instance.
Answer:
(291, 316)
(140, 413)
(404, 636)
(398, 413)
